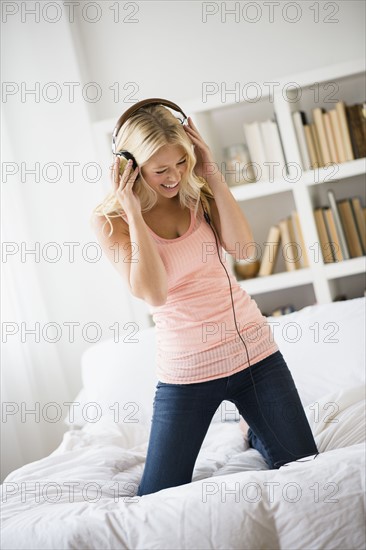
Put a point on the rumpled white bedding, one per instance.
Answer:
(82, 495)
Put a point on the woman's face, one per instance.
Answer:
(164, 170)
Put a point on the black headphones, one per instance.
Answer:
(132, 110)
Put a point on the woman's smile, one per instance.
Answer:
(171, 186)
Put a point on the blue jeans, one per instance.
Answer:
(182, 414)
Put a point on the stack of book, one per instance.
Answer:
(341, 228)
(334, 136)
(266, 152)
(287, 233)
(280, 310)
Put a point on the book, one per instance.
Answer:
(299, 121)
(337, 135)
(281, 143)
(283, 310)
(338, 225)
(270, 252)
(289, 251)
(362, 110)
(333, 235)
(324, 237)
(355, 124)
(255, 145)
(317, 145)
(297, 249)
(342, 118)
(350, 229)
(322, 137)
(272, 149)
(304, 262)
(360, 220)
(314, 163)
(330, 138)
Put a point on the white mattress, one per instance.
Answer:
(234, 500)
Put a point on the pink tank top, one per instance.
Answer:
(195, 329)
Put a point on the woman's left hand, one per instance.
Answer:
(205, 164)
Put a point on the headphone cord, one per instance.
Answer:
(207, 218)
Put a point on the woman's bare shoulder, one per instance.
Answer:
(100, 223)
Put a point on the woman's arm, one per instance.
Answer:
(134, 254)
(229, 221)
(148, 275)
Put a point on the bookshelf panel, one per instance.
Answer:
(225, 129)
(334, 172)
(342, 189)
(298, 297)
(353, 286)
(260, 189)
(344, 268)
(350, 89)
(264, 212)
(228, 121)
(331, 134)
(277, 281)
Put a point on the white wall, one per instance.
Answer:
(168, 52)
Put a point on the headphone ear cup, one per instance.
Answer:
(128, 156)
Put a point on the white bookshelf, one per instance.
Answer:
(264, 203)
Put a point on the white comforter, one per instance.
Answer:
(82, 495)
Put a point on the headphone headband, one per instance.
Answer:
(127, 114)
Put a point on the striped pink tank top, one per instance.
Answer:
(195, 329)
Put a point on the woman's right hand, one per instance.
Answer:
(123, 184)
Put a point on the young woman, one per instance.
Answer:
(169, 258)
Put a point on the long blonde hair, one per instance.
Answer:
(143, 134)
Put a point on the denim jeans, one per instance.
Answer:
(182, 414)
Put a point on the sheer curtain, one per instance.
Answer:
(34, 388)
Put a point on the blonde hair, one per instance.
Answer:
(143, 134)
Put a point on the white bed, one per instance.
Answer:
(82, 496)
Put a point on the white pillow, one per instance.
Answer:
(78, 411)
(323, 346)
(338, 419)
(120, 377)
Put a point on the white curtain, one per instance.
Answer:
(32, 375)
